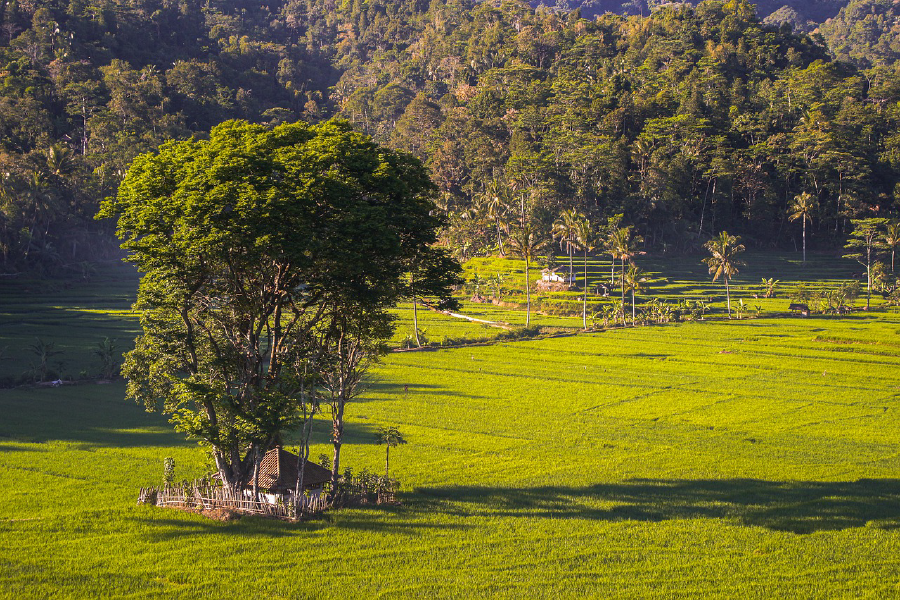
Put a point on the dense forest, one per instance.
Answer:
(685, 121)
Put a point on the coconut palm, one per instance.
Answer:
(528, 243)
(60, 160)
(565, 229)
(723, 262)
(391, 438)
(586, 240)
(624, 246)
(635, 279)
(802, 208)
(495, 208)
(612, 225)
(892, 240)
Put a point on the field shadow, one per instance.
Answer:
(165, 524)
(792, 506)
(411, 389)
(90, 414)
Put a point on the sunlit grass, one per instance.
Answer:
(744, 459)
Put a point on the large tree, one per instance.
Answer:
(263, 250)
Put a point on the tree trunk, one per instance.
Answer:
(416, 322)
(584, 306)
(256, 461)
(623, 293)
(868, 275)
(728, 297)
(527, 294)
(500, 239)
(305, 431)
(633, 314)
(337, 436)
(804, 239)
(387, 460)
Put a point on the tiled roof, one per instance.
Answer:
(278, 471)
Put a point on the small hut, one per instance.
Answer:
(558, 275)
(556, 280)
(278, 474)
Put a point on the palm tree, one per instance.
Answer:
(565, 230)
(635, 280)
(391, 438)
(495, 207)
(723, 262)
(623, 246)
(60, 160)
(892, 240)
(586, 240)
(527, 242)
(612, 225)
(802, 208)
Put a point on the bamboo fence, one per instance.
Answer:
(211, 497)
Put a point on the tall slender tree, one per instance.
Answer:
(803, 207)
(865, 241)
(586, 239)
(495, 209)
(892, 239)
(635, 280)
(724, 262)
(528, 243)
(565, 230)
(624, 246)
(391, 438)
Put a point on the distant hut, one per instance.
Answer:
(556, 279)
(558, 275)
(278, 475)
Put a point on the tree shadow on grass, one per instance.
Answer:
(97, 415)
(792, 506)
(411, 389)
(373, 518)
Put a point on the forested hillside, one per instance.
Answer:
(686, 122)
(803, 15)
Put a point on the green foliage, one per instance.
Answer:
(266, 252)
(865, 242)
(767, 287)
(724, 262)
(43, 351)
(108, 353)
(169, 471)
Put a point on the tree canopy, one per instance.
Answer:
(259, 246)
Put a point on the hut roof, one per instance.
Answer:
(278, 471)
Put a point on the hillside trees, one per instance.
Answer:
(265, 252)
(687, 122)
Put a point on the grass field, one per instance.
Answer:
(743, 459)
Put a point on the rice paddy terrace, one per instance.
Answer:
(751, 458)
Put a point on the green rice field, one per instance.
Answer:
(753, 458)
